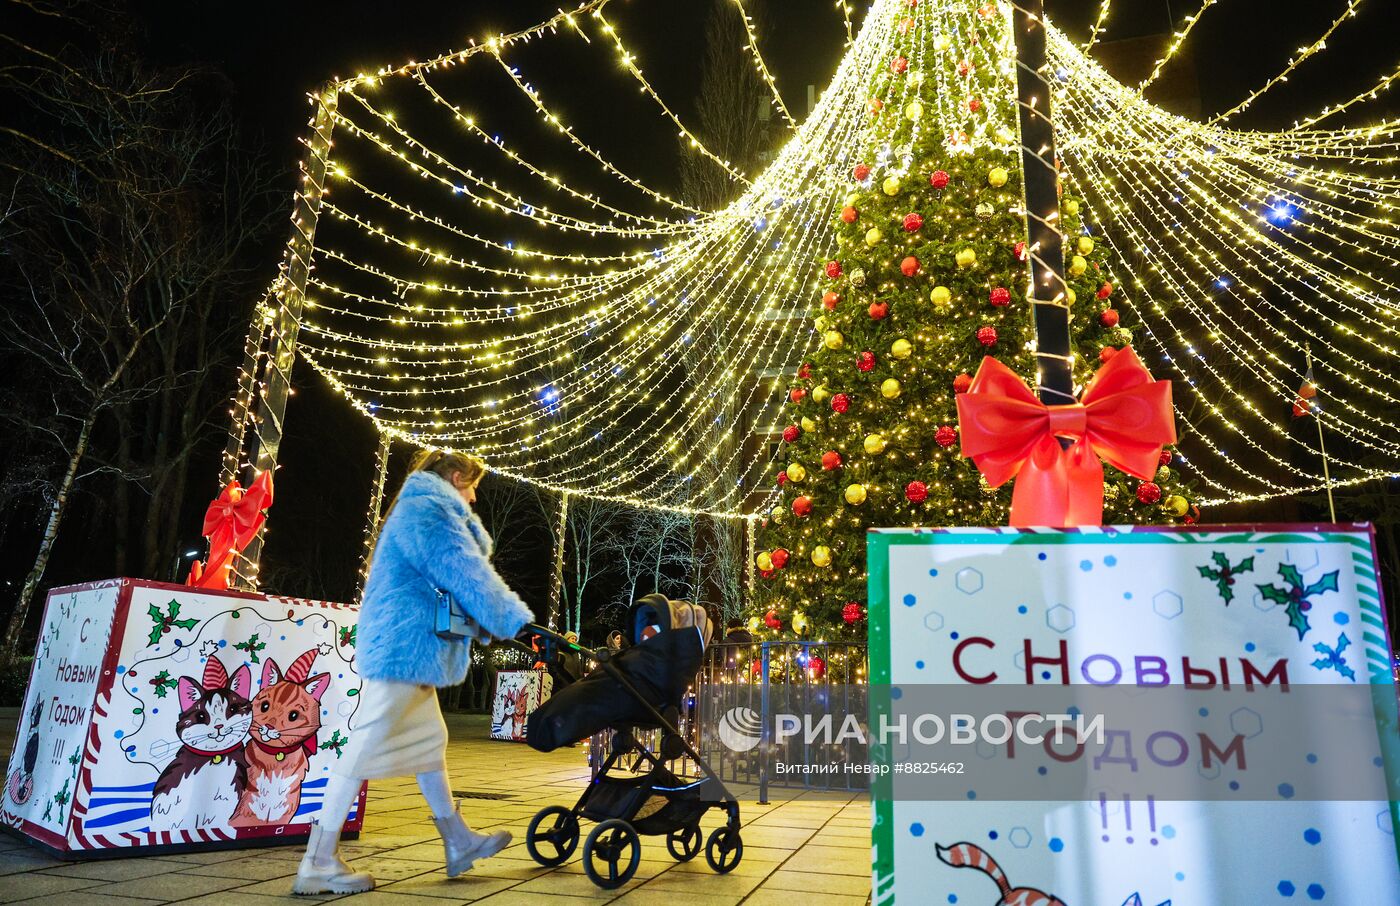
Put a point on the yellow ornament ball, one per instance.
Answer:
(821, 394)
(821, 556)
(901, 349)
(1077, 266)
(965, 257)
(873, 236)
(808, 425)
(852, 200)
(1070, 296)
(890, 389)
(1084, 246)
(914, 111)
(1005, 135)
(754, 624)
(820, 322)
(874, 444)
(799, 622)
(941, 296)
(1071, 207)
(891, 185)
(855, 494)
(765, 560)
(833, 339)
(796, 472)
(997, 177)
(941, 42)
(1177, 505)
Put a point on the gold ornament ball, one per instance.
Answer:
(808, 425)
(754, 624)
(941, 43)
(916, 79)
(820, 322)
(1005, 135)
(997, 177)
(913, 111)
(890, 389)
(833, 339)
(1071, 207)
(852, 199)
(874, 444)
(1070, 296)
(873, 236)
(1177, 505)
(1077, 266)
(901, 349)
(891, 185)
(799, 622)
(765, 561)
(821, 394)
(941, 296)
(855, 494)
(777, 515)
(965, 257)
(821, 556)
(985, 211)
(796, 472)
(1163, 474)
(1085, 245)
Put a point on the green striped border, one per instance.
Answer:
(878, 636)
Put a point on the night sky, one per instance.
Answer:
(272, 53)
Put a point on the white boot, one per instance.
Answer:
(463, 846)
(323, 871)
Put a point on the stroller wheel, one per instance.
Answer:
(684, 844)
(552, 835)
(724, 849)
(611, 853)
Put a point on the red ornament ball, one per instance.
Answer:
(987, 335)
(916, 492)
(939, 179)
(797, 394)
(1019, 250)
(782, 478)
(1107, 353)
(791, 433)
(851, 613)
(780, 558)
(802, 506)
(1108, 318)
(766, 574)
(899, 65)
(878, 310)
(1148, 493)
(1165, 459)
(964, 68)
(833, 269)
(829, 300)
(876, 105)
(805, 371)
(866, 362)
(831, 460)
(974, 105)
(1001, 296)
(840, 403)
(770, 619)
(861, 172)
(816, 666)
(962, 383)
(1105, 291)
(946, 435)
(913, 223)
(849, 214)
(909, 266)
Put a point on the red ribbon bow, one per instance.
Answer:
(230, 523)
(1123, 418)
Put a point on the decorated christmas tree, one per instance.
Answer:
(927, 278)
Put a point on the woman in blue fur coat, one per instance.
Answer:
(430, 540)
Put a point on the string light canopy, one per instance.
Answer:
(595, 334)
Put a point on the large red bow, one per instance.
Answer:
(1123, 418)
(230, 523)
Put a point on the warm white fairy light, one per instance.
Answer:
(639, 366)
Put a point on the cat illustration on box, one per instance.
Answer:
(286, 717)
(206, 778)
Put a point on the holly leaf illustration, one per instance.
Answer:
(158, 618)
(163, 683)
(1224, 574)
(1295, 597)
(1327, 583)
(252, 646)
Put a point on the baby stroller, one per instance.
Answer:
(638, 688)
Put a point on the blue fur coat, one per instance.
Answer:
(430, 540)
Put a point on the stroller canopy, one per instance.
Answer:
(656, 613)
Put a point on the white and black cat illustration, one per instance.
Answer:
(202, 784)
(21, 785)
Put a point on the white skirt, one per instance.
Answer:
(398, 730)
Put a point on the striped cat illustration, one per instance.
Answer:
(286, 717)
(968, 855)
(203, 782)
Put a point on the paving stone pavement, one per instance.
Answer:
(811, 848)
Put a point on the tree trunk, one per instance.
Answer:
(41, 559)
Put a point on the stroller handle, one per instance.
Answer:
(535, 629)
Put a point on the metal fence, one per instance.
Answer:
(770, 678)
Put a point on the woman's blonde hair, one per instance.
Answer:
(447, 463)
